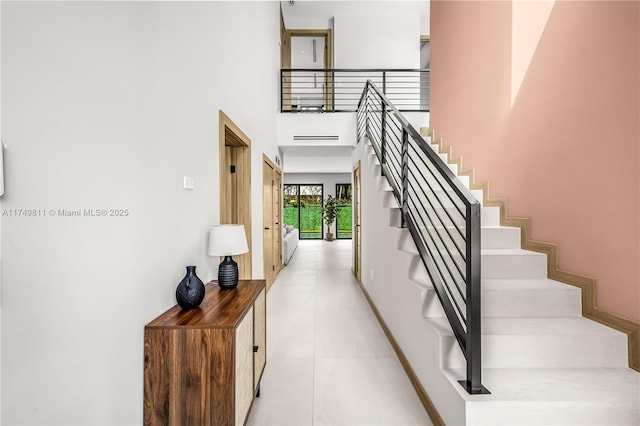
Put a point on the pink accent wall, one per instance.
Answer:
(561, 139)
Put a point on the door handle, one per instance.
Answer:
(266, 228)
(255, 348)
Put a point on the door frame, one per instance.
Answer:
(271, 265)
(285, 58)
(236, 199)
(356, 194)
(322, 231)
(352, 206)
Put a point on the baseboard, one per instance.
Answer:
(413, 378)
(587, 284)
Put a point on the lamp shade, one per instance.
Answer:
(227, 240)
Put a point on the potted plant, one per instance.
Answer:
(329, 212)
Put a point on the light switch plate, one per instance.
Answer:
(189, 183)
(1, 169)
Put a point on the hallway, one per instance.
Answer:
(328, 360)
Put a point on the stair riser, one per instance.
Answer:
(527, 265)
(500, 238)
(565, 412)
(547, 303)
(542, 303)
(389, 200)
(442, 198)
(383, 184)
(431, 306)
(491, 238)
(435, 186)
(521, 265)
(544, 351)
(489, 216)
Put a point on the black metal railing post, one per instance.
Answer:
(405, 177)
(384, 82)
(383, 137)
(473, 384)
(368, 111)
(281, 90)
(333, 90)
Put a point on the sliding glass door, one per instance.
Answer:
(303, 209)
(345, 217)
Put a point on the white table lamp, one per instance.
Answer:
(227, 240)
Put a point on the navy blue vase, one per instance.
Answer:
(190, 291)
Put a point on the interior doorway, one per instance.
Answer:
(425, 63)
(235, 184)
(306, 49)
(357, 238)
(272, 210)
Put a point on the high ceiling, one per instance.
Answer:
(311, 13)
(314, 14)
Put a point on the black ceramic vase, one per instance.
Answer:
(190, 291)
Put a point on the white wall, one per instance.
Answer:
(109, 106)
(317, 160)
(404, 306)
(317, 164)
(328, 180)
(425, 20)
(314, 160)
(341, 124)
(377, 41)
(302, 52)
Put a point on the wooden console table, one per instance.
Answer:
(203, 367)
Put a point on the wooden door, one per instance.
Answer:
(268, 222)
(277, 214)
(235, 184)
(272, 220)
(357, 239)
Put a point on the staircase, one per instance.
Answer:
(542, 361)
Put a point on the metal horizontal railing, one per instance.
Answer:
(339, 90)
(441, 214)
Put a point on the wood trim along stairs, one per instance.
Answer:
(588, 285)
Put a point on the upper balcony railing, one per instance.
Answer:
(339, 90)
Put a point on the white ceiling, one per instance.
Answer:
(306, 11)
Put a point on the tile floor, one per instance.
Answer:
(328, 360)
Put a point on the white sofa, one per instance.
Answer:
(290, 238)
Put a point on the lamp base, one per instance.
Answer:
(228, 273)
